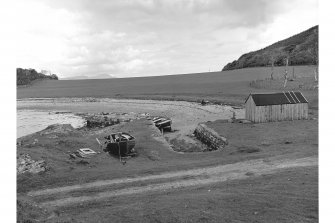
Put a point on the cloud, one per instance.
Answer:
(150, 37)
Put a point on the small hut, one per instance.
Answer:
(276, 107)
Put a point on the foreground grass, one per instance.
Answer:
(155, 157)
(287, 196)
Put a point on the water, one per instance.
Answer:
(30, 121)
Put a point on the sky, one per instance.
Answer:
(124, 38)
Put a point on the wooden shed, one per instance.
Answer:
(276, 107)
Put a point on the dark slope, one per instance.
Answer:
(27, 76)
(300, 49)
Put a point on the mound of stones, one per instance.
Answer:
(209, 137)
(26, 164)
(105, 119)
(99, 120)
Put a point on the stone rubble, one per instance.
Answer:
(104, 119)
(26, 164)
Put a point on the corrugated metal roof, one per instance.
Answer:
(300, 97)
(288, 97)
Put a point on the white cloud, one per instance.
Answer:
(43, 34)
(127, 38)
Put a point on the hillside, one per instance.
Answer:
(84, 77)
(300, 49)
(26, 76)
(228, 87)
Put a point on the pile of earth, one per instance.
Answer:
(57, 128)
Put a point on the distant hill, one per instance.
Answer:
(84, 77)
(27, 76)
(300, 49)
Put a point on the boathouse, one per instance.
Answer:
(273, 107)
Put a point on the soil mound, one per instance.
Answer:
(57, 128)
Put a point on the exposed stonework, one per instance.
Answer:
(209, 137)
(101, 120)
(26, 164)
(96, 121)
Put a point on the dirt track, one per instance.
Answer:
(171, 180)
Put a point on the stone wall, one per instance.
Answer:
(99, 120)
(209, 137)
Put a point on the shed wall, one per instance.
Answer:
(272, 113)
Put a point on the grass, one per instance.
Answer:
(287, 196)
(154, 157)
(301, 84)
(279, 136)
(230, 87)
(180, 145)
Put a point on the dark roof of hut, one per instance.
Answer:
(281, 98)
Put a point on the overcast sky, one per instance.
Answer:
(141, 38)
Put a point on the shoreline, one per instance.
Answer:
(96, 99)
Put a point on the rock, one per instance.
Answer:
(249, 174)
(265, 143)
(83, 162)
(26, 164)
(154, 155)
(96, 120)
(35, 142)
(52, 137)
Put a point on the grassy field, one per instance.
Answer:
(230, 87)
(289, 195)
(154, 157)
(270, 196)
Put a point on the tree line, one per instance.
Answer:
(26, 76)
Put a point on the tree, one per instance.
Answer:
(293, 74)
(26, 76)
(285, 74)
(314, 52)
(316, 58)
(272, 66)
